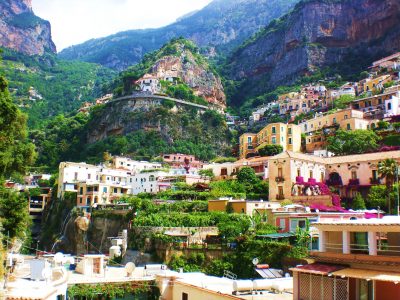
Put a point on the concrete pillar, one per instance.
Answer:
(322, 241)
(346, 242)
(372, 246)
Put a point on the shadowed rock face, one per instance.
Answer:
(318, 33)
(21, 30)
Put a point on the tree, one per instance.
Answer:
(358, 202)
(387, 170)
(353, 142)
(376, 197)
(14, 214)
(207, 173)
(16, 152)
(248, 177)
(270, 150)
(343, 101)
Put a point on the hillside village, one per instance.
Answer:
(289, 173)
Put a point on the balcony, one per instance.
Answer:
(376, 181)
(280, 197)
(279, 179)
(354, 182)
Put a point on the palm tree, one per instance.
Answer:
(387, 170)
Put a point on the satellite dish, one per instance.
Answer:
(59, 258)
(129, 268)
(255, 261)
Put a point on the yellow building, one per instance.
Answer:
(286, 135)
(321, 126)
(242, 206)
(375, 84)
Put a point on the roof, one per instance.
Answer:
(369, 274)
(297, 155)
(318, 269)
(386, 221)
(377, 156)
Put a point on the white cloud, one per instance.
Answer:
(75, 21)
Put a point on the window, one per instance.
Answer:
(348, 127)
(274, 140)
(334, 120)
(115, 190)
(185, 296)
(375, 174)
(289, 130)
(353, 175)
(81, 190)
(322, 176)
(298, 172)
(290, 141)
(224, 172)
(249, 139)
(76, 176)
(273, 129)
(311, 174)
(280, 172)
(282, 224)
(104, 189)
(389, 106)
(89, 176)
(282, 139)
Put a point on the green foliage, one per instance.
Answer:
(113, 291)
(16, 152)
(207, 173)
(353, 142)
(25, 20)
(392, 140)
(270, 150)
(382, 125)
(343, 101)
(358, 202)
(377, 197)
(247, 176)
(63, 85)
(14, 215)
(221, 160)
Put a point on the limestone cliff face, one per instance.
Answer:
(315, 34)
(203, 82)
(22, 31)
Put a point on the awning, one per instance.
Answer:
(369, 274)
(318, 269)
(276, 235)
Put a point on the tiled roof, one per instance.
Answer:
(302, 156)
(363, 157)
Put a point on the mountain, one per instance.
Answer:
(44, 86)
(21, 30)
(344, 35)
(223, 24)
(182, 72)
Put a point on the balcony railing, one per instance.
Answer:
(375, 180)
(354, 182)
(280, 179)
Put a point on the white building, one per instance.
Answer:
(149, 83)
(70, 174)
(146, 182)
(133, 165)
(392, 106)
(347, 89)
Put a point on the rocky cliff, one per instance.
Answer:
(21, 30)
(223, 24)
(181, 60)
(317, 33)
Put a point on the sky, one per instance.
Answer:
(76, 21)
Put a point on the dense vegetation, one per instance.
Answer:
(61, 86)
(65, 138)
